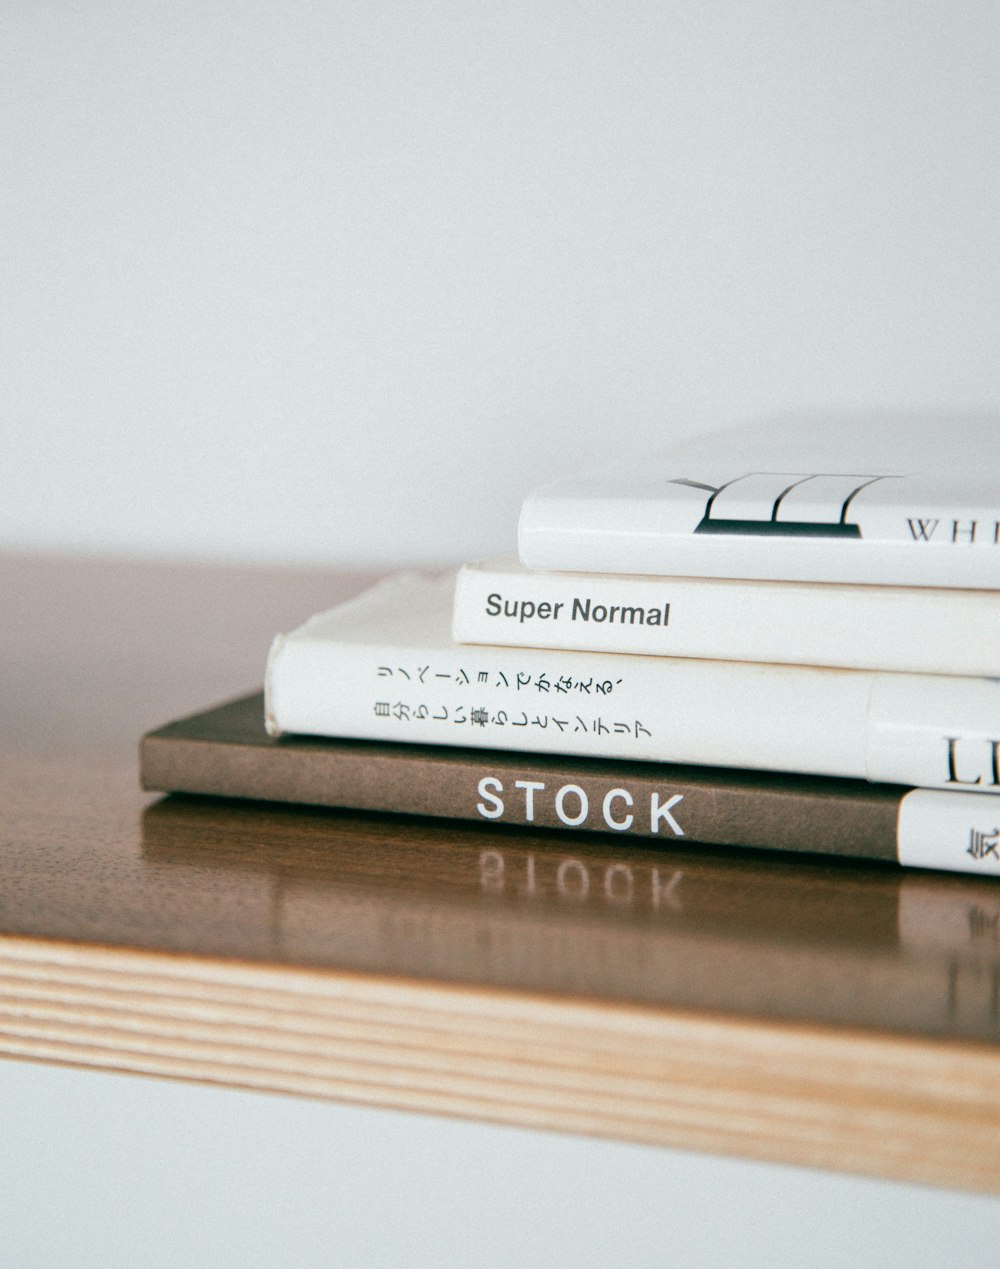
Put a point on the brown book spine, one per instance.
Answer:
(225, 752)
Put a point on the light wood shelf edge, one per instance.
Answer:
(786, 1093)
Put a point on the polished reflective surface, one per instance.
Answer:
(703, 929)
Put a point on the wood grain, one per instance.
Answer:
(827, 1014)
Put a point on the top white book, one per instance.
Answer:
(907, 502)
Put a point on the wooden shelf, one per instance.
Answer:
(813, 1012)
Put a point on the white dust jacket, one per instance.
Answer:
(385, 667)
(907, 501)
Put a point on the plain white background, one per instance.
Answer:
(338, 283)
(106, 1170)
(341, 281)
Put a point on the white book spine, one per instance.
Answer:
(771, 524)
(929, 731)
(858, 627)
(582, 537)
(944, 830)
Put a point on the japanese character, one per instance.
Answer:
(503, 676)
(524, 723)
(523, 680)
(564, 684)
(403, 672)
(599, 728)
(381, 709)
(622, 727)
(639, 728)
(584, 687)
(542, 683)
(580, 725)
(401, 711)
(461, 677)
(479, 716)
(442, 717)
(540, 721)
(459, 716)
(384, 672)
(421, 671)
(483, 676)
(421, 711)
(561, 723)
(500, 718)
(981, 845)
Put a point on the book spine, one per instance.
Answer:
(932, 731)
(618, 536)
(860, 627)
(949, 831)
(921, 828)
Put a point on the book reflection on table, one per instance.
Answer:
(706, 929)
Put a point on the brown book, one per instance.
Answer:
(226, 751)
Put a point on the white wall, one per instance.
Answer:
(101, 1170)
(340, 281)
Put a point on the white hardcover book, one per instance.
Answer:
(915, 502)
(906, 628)
(384, 667)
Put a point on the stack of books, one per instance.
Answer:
(766, 638)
